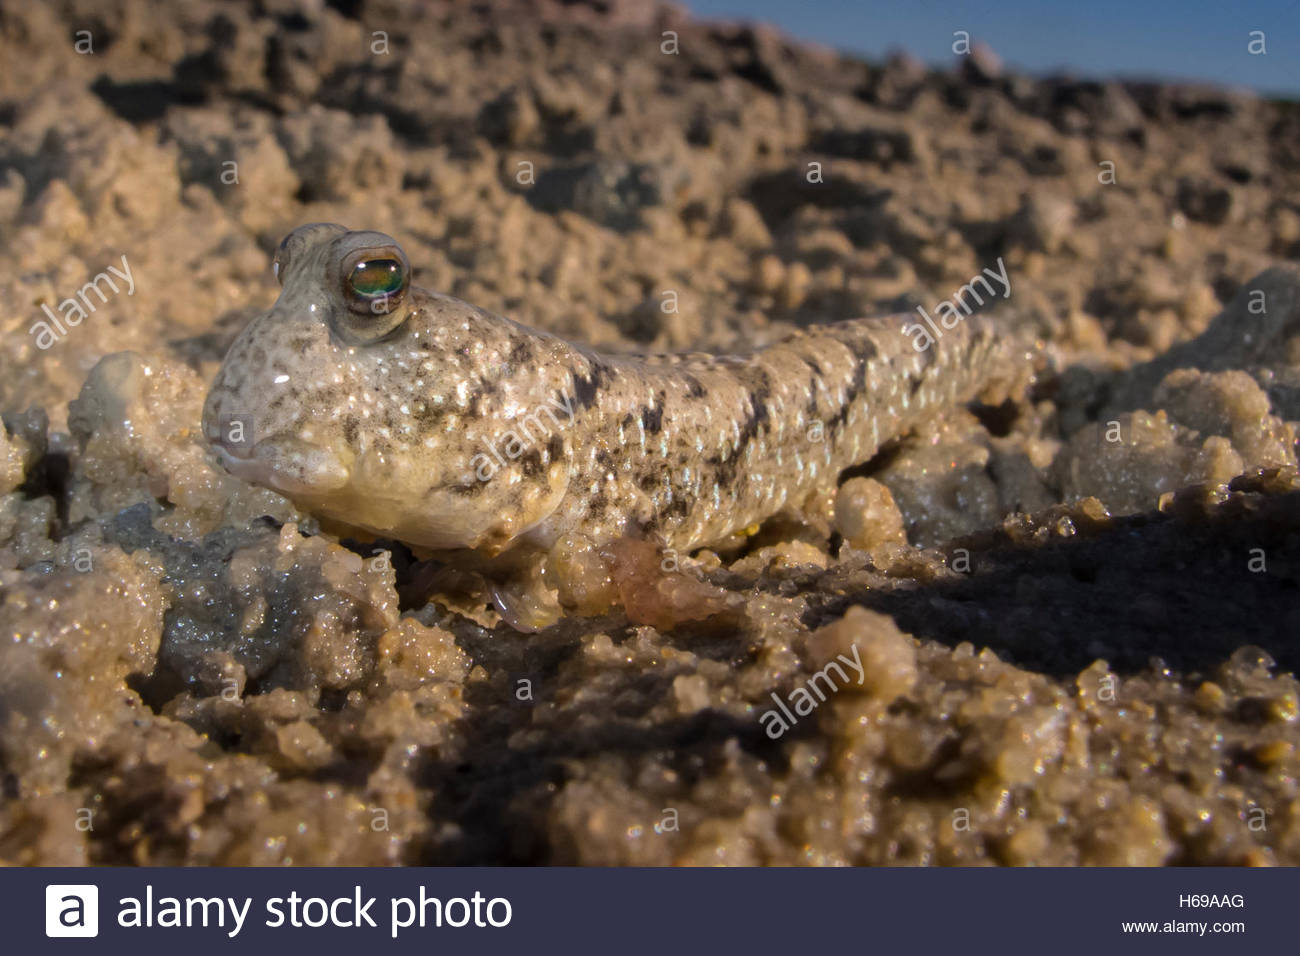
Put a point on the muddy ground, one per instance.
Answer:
(1076, 610)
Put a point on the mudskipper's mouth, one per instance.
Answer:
(287, 465)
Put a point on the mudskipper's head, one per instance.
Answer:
(350, 394)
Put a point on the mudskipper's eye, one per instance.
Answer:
(374, 280)
(378, 283)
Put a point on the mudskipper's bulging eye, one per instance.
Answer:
(370, 277)
(377, 282)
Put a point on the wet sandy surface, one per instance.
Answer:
(1073, 613)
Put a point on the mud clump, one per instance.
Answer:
(1072, 604)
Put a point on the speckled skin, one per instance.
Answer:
(407, 431)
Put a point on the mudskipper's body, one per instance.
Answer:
(421, 418)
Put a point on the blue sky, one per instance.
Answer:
(1194, 39)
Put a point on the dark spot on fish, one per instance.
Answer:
(532, 463)
(757, 416)
(724, 469)
(811, 407)
(520, 353)
(587, 387)
(427, 415)
(857, 384)
(680, 506)
(468, 491)
(652, 419)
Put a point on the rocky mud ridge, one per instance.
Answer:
(1074, 611)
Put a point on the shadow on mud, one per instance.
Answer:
(1184, 591)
